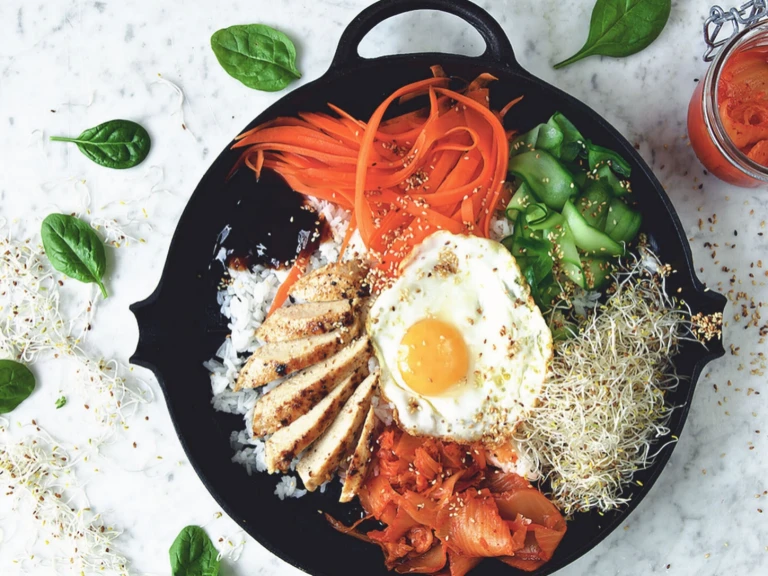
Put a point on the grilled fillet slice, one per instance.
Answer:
(337, 281)
(358, 464)
(301, 320)
(286, 443)
(299, 393)
(338, 441)
(277, 359)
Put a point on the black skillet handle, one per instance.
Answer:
(147, 348)
(497, 46)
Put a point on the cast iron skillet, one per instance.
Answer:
(180, 325)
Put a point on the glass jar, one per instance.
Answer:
(708, 136)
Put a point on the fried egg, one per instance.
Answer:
(462, 347)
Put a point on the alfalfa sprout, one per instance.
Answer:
(604, 405)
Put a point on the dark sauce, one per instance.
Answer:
(270, 224)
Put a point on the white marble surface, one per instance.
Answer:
(69, 64)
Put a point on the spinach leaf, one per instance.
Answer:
(259, 56)
(61, 402)
(622, 28)
(16, 384)
(74, 249)
(193, 554)
(115, 144)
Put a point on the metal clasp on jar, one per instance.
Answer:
(716, 30)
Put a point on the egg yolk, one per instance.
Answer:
(433, 356)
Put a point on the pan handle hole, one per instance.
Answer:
(422, 31)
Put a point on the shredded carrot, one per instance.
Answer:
(296, 272)
(442, 166)
(503, 111)
(347, 237)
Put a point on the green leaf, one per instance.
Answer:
(622, 27)
(259, 56)
(61, 402)
(115, 144)
(16, 384)
(74, 249)
(193, 554)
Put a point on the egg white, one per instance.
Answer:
(476, 285)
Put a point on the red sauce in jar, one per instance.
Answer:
(706, 150)
(728, 116)
(742, 95)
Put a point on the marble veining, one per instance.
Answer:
(71, 64)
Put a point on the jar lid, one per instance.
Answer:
(717, 31)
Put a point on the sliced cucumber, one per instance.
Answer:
(573, 142)
(521, 199)
(566, 252)
(542, 137)
(593, 204)
(586, 237)
(623, 223)
(545, 176)
(597, 272)
(599, 156)
(550, 220)
(606, 176)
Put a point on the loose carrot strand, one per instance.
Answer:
(508, 107)
(296, 272)
(347, 237)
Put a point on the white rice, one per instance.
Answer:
(286, 488)
(244, 301)
(384, 411)
(500, 228)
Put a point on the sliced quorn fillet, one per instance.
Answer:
(299, 393)
(285, 444)
(301, 320)
(337, 281)
(338, 441)
(274, 360)
(361, 457)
